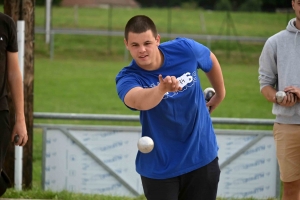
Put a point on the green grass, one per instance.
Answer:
(79, 86)
(196, 21)
(80, 77)
(85, 86)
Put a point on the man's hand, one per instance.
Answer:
(21, 131)
(289, 100)
(169, 84)
(294, 90)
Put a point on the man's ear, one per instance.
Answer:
(157, 39)
(126, 43)
(293, 4)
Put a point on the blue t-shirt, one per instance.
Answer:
(180, 125)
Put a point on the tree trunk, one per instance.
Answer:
(23, 10)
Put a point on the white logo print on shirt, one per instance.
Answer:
(185, 79)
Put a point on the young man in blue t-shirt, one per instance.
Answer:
(162, 83)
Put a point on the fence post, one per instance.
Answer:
(19, 149)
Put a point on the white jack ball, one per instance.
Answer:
(145, 144)
(280, 96)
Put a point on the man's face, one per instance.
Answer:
(143, 48)
(296, 7)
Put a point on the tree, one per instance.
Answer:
(23, 10)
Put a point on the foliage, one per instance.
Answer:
(251, 5)
(189, 5)
(223, 5)
(160, 3)
(271, 5)
(245, 5)
(43, 2)
(38, 2)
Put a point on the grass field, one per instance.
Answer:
(196, 21)
(80, 78)
(85, 86)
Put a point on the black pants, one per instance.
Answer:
(200, 184)
(4, 142)
(5, 135)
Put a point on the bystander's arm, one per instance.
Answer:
(269, 93)
(16, 87)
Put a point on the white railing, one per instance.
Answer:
(135, 118)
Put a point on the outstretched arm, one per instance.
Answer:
(16, 88)
(147, 98)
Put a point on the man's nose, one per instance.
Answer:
(142, 48)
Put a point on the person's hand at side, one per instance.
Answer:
(20, 130)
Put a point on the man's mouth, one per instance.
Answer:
(144, 56)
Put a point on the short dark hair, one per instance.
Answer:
(140, 24)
